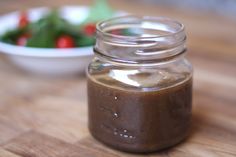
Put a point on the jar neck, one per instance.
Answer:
(140, 40)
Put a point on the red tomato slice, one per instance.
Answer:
(65, 41)
(22, 40)
(23, 20)
(90, 29)
(116, 32)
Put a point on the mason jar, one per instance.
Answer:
(139, 84)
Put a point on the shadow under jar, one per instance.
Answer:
(140, 84)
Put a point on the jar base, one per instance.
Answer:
(138, 149)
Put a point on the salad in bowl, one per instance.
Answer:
(52, 41)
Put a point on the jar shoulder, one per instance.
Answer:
(140, 77)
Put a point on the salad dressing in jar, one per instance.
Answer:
(140, 84)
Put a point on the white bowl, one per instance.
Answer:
(49, 61)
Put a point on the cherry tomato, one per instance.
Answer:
(65, 41)
(116, 32)
(22, 40)
(90, 29)
(23, 20)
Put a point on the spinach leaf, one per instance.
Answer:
(99, 11)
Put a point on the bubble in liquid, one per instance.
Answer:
(131, 136)
(115, 97)
(116, 115)
(126, 136)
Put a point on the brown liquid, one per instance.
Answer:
(139, 121)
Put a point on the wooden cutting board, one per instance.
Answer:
(42, 117)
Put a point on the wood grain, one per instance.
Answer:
(42, 117)
(4, 153)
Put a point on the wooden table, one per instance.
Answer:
(42, 117)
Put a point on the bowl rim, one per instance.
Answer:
(47, 52)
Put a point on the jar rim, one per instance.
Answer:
(149, 39)
(100, 26)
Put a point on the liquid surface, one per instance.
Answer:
(139, 121)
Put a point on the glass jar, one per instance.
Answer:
(140, 84)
